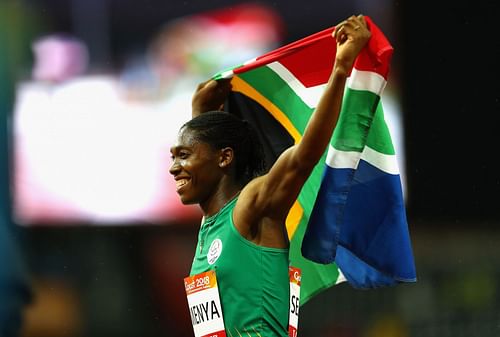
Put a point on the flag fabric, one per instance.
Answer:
(349, 221)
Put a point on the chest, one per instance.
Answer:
(213, 247)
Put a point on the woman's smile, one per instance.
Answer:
(180, 183)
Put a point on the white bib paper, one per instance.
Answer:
(204, 305)
(293, 320)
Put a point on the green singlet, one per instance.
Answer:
(253, 281)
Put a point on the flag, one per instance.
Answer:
(349, 221)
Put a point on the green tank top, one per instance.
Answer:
(253, 280)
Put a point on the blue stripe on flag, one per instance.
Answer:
(363, 211)
(361, 275)
(322, 234)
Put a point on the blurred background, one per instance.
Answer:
(93, 239)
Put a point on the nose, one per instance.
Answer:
(174, 167)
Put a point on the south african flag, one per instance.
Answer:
(349, 221)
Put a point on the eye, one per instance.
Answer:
(183, 154)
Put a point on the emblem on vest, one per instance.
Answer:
(214, 251)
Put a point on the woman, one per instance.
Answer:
(218, 164)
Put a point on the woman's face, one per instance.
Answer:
(195, 168)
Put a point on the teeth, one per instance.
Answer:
(181, 182)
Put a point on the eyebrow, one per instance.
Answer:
(177, 148)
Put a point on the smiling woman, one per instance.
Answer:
(215, 140)
(219, 164)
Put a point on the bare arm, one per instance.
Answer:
(273, 194)
(210, 96)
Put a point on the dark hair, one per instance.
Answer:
(221, 129)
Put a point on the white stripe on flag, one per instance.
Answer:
(384, 162)
(227, 74)
(342, 159)
(341, 278)
(250, 61)
(350, 159)
(230, 73)
(367, 81)
(310, 96)
(359, 80)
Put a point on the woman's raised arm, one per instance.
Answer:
(276, 192)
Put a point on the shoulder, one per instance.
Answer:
(250, 206)
(252, 195)
(254, 218)
(254, 203)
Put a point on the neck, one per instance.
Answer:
(218, 200)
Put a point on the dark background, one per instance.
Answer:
(124, 281)
(452, 104)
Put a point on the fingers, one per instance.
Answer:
(210, 85)
(352, 23)
(210, 95)
(218, 86)
(342, 32)
(221, 87)
(202, 85)
(350, 26)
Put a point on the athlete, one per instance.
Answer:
(218, 164)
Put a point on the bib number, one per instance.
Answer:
(293, 320)
(204, 305)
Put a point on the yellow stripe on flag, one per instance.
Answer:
(293, 219)
(239, 85)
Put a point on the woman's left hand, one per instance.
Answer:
(210, 96)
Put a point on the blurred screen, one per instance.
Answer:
(93, 147)
(82, 154)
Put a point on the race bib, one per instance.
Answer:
(204, 305)
(293, 320)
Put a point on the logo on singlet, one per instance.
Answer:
(214, 251)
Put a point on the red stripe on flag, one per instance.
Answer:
(310, 59)
(319, 47)
(313, 65)
(376, 56)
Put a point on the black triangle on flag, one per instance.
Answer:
(273, 136)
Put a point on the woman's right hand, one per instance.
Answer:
(210, 95)
(351, 35)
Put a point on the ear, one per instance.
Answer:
(226, 157)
